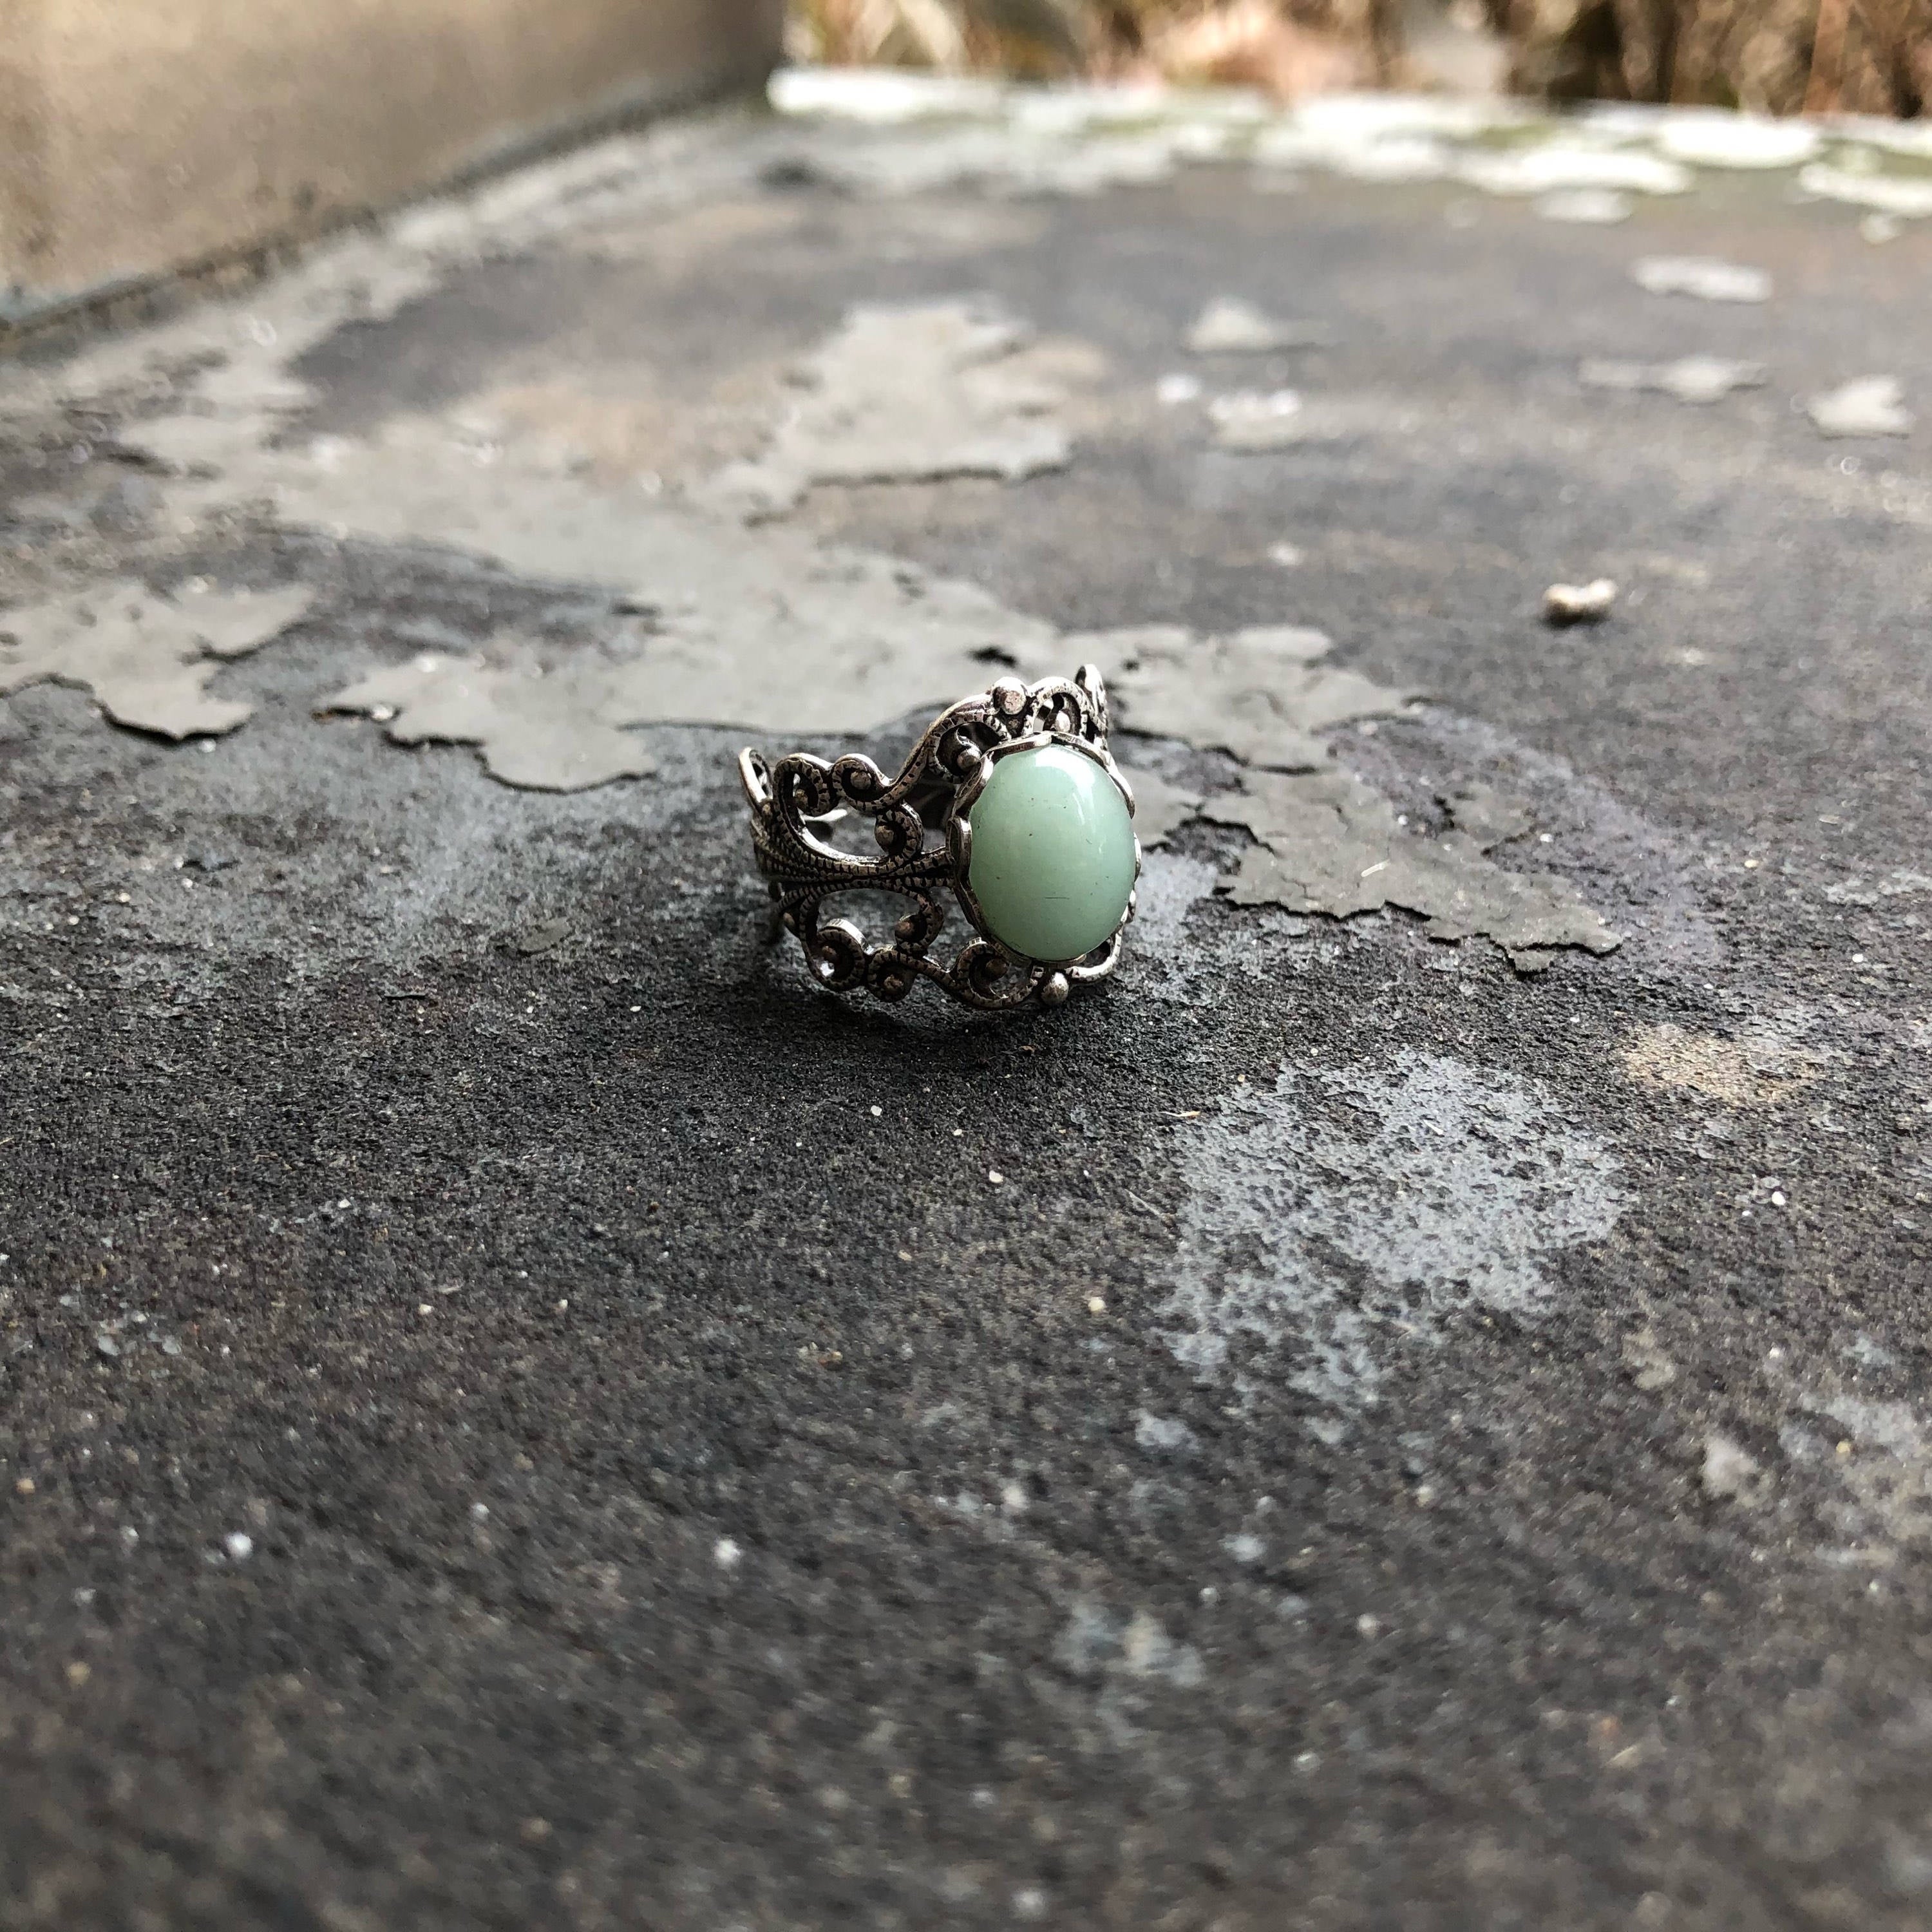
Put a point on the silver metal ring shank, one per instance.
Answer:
(925, 849)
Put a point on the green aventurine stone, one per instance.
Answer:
(1053, 854)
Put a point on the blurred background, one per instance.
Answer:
(138, 142)
(1774, 56)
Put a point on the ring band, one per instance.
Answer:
(1010, 800)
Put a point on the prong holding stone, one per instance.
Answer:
(1053, 990)
(1009, 696)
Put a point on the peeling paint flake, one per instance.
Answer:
(147, 661)
(761, 628)
(1258, 420)
(1160, 809)
(1331, 844)
(1730, 1474)
(1690, 379)
(997, 159)
(1261, 694)
(900, 394)
(1096, 1642)
(1896, 884)
(1700, 276)
(1586, 207)
(1869, 406)
(546, 728)
(1230, 326)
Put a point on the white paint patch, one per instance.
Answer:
(1559, 164)
(1729, 1473)
(886, 97)
(1912, 139)
(1869, 406)
(1712, 138)
(1588, 207)
(1164, 1434)
(1338, 1215)
(1388, 138)
(1700, 276)
(1905, 197)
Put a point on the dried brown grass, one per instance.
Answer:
(1776, 56)
(1290, 47)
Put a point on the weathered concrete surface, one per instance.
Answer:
(516, 1411)
(135, 140)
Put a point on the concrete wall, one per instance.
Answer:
(140, 135)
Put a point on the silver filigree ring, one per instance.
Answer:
(1047, 884)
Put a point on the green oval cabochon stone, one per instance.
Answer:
(1053, 854)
